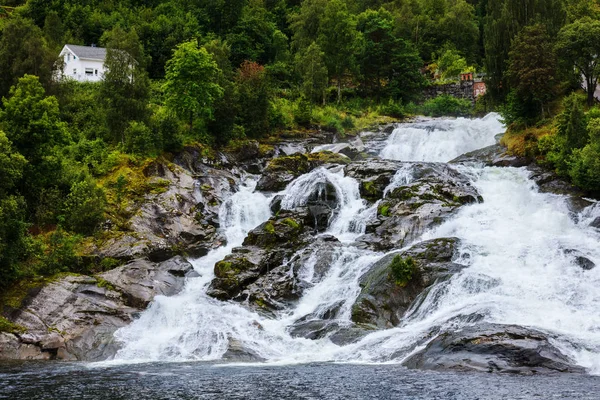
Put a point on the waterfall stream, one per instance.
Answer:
(518, 247)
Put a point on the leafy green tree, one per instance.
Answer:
(532, 70)
(310, 65)
(31, 121)
(579, 44)
(13, 229)
(451, 64)
(191, 86)
(504, 20)
(306, 22)
(339, 40)
(253, 37)
(23, 50)
(254, 99)
(125, 86)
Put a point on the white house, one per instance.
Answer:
(83, 63)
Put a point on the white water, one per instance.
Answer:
(441, 140)
(514, 245)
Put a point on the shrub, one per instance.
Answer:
(403, 270)
(58, 253)
(84, 206)
(393, 109)
(446, 105)
(139, 139)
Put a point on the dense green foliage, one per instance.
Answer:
(209, 71)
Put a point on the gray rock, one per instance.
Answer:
(382, 302)
(75, 317)
(181, 217)
(436, 192)
(141, 280)
(374, 176)
(492, 156)
(493, 348)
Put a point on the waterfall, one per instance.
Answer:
(519, 247)
(441, 139)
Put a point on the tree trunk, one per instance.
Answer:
(591, 89)
(339, 90)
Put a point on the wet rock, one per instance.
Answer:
(313, 329)
(493, 348)
(281, 171)
(581, 260)
(383, 302)
(141, 280)
(492, 156)
(238, 352)
(435, 193)
(595, 223)
(373, 175)
(549, 182)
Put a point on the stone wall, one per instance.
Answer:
(461, 90)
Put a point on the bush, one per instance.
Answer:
(58, 253)
(403, 270)
(141, 140)
(84, 206)
(446, 105)
(393, 109)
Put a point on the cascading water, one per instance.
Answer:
(521, 247)
(441, 140)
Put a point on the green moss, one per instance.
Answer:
(370, 188)
(10, 327)
(109, 263)
(328, 157)
(403, 270)
(270, 228)
(384, 210)
(102, 283)
(222, 268)
(205, 187)
(291, 223)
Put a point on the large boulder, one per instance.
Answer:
(493, 348)
(74, 317)
(282, 170)
(141, 280)
(264, 249)
(435, 192)
(181, 217)
(383, 300)
(492, 156)
(373, 176)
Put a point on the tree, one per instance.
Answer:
(313, 72)
(584, 166)
(23, 50)
(13, 229)
(31, 121)
(254, 99)
(579, 44)
(339, 40)
(125, 86)
(84, 206)
(532, 70)
(504, 20)
(191, 85)
(305, 23)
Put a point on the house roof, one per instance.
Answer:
(88, 52)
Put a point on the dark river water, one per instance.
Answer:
(29, 381)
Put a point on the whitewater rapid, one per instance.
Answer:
(518, 246)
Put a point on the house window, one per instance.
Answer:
(89, 71)
(68, 57)
(74, 71)
(74, 57)
(96, 72)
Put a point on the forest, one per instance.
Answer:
(212, 73)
